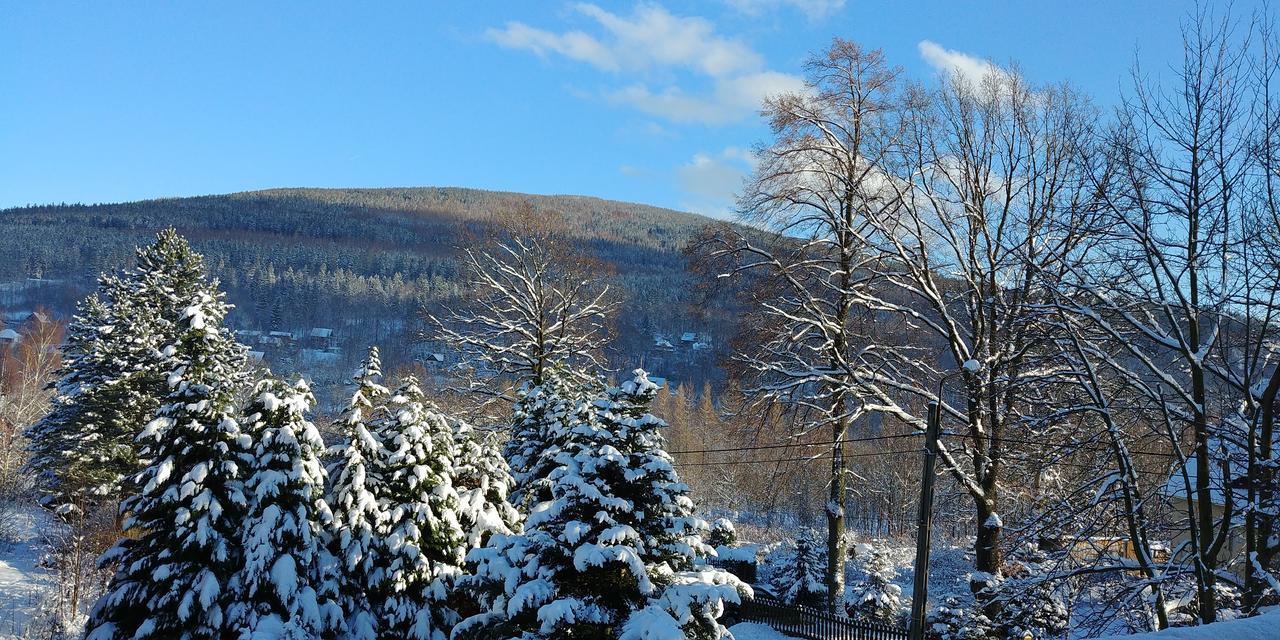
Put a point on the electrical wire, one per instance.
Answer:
(821, 456)
(798, 444)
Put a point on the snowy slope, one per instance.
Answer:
(755, 631)
(1262, 627)
(23, 583)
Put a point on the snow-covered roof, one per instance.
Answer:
(280, 334)
(435, 357)
(9, 335)
(658, 380)
(321, 332)
(255, 356)
(1177, 488)
(688, 336)
(317, 356)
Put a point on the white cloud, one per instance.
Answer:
(652, 38)
(711, 183)
(575, 45)
(813, 9)
(728, 101)
(653, 41)
(950, 62)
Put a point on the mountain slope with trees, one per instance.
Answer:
(362, 261)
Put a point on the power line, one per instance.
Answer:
(797, 444)
(763, 447)
(1080, 446)
(814, 458)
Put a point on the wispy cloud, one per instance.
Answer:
(711, 183)
(813, 9)
(950, 62)
(651, 41)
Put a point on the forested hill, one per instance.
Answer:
(360, 261)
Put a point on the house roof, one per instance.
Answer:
(321, 332)
(1218, 485)
(9, 334)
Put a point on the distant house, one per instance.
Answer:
(661, 343)
(320, 338)
(1220, 487)
(317, 357)
(688, 337)
(277, 339)
(436, 358)
(255, 356)
(1092, 548)
(658, 380)
(9, 336)
(15, 317)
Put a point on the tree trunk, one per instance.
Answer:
(836, 548)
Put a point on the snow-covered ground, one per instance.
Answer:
(755, 631)
(1261, 627)
(23, 582)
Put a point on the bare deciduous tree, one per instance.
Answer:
(993, 192)
(816, 187)
(533, 305)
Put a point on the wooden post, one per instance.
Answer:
(920, 590)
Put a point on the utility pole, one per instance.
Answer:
(920, 590)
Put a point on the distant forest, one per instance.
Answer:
(364, 262)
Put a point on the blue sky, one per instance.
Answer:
(647, 102)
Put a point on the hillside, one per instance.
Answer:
(359, 261)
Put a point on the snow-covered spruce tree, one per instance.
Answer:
(691, 597)
(173, 579)
(483, 483)
(663, 509)
(285, 589)
(875, 596)
(541, 418)
(420, 548)
(83, 448)
(583, 567)
(576, 569)
(799, 570)
(354, 498)
(112, 378)
(722, 533)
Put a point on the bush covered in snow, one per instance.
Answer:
(957, 619)
(722, 533)
(874, 596)
(797, 571)
(1028, 602)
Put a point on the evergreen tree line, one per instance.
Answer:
(238, 522)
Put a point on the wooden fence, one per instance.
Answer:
(806, 622)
